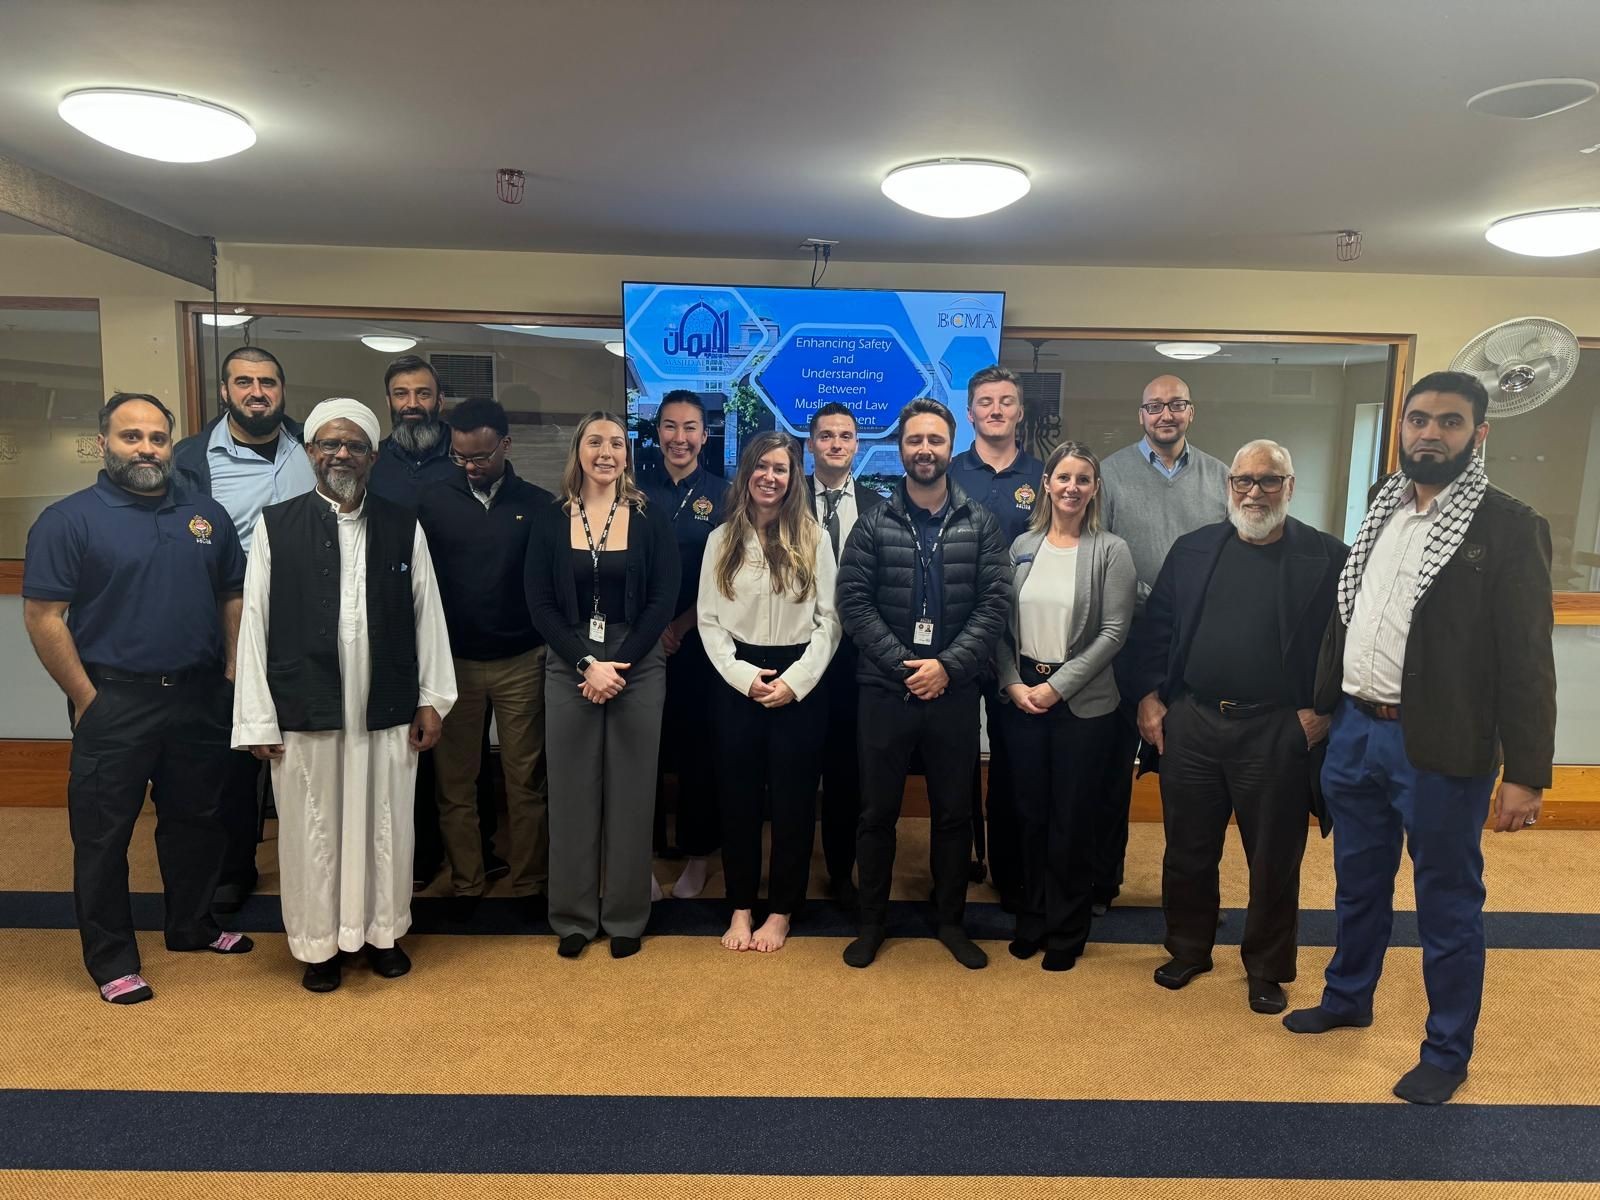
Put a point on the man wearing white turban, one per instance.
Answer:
(344, 677)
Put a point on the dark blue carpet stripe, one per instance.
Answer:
(907, 918)
(187, 1131)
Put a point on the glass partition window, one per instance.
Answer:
(1323, 401)
(1550, 458)
(50, 398)
(546, 376)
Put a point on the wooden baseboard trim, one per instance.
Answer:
(33, 774)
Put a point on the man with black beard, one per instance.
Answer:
(246, 458)
(1441, 665)
(132, 601)
(414, 455)
(1227, 669)
(923, 592)
(417, 450)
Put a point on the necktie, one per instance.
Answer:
(831, 498)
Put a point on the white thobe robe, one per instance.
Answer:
(344, 796)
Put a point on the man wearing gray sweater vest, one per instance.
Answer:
(1154, 491)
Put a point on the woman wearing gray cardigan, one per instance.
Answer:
(1072, 591)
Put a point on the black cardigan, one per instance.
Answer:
(652, 586)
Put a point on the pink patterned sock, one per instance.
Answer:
(130, 989)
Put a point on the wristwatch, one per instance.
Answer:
(584, 663)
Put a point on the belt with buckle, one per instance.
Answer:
(1034, 671)
(171, 679)
(1236, 710)
(1378, 712)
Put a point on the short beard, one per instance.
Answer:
(939, 470)
(137, 476)
(1435, 473)
(1257, 529)
(266, 423)
(418, 437)
(344, 487)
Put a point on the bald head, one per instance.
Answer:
(1165, 387)
(1165, 412)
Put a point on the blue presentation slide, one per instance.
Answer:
(768, 357)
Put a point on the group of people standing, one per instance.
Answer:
(381, 598)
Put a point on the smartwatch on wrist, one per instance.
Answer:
(584, 663)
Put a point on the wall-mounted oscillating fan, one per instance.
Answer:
(1522, 363)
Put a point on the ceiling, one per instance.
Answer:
(1015, 351)
(1234, 133)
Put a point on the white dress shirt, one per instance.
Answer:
(758, 616)
(847, 510)
(1375, 645)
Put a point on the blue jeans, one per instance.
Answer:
(1379, 802)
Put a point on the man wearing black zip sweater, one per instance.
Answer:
(922, 592)
(477, 526)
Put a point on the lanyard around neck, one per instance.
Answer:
(926, 559)
(594, 550)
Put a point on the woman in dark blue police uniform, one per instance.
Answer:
(132, 600)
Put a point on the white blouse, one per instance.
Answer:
(758, 616)
(1044, 609)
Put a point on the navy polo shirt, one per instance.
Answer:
(694, 505)
(141, 574)
(400, 477)
(1007, 494)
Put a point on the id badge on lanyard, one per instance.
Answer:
(597, 628)
(922, 634)
(922, 631)
(597, 619)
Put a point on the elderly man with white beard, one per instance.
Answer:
(344, 677)
(1227, 670)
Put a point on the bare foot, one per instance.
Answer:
(773, 933)
(738, 935)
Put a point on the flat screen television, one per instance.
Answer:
(765, 358)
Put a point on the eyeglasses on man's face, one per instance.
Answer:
(1269, 484)
(476, 460)
(331, 446)
(1154, 407)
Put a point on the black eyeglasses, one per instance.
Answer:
(1172, 406)
(332, 445)
(1271, 485)
(476, 460)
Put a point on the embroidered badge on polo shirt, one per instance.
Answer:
(702, 508)
(1023, 496)
(201, 528)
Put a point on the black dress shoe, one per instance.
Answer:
(625, 947)
(1266, 996)
(571, 945)
(1176, 973)
(495, 867)
(1023, 948)
(391, 963)
(322, 976)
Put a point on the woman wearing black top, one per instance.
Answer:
(602, 575)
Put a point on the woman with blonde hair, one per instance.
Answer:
(601, 577)
(767, 620)
(1072, 590)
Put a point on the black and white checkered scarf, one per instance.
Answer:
(1444, 536)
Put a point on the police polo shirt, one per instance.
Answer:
(1007, 494)
(694, 505)
(244, 483)
(141, 574)
(400, 477)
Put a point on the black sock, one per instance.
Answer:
(864, 949)
(1428, 1084)
(962, 948)
(1320, 1020)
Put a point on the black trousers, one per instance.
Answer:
(999, 808)
(690, 685)
(767, 757)
(1111, 802)
(175, 739)
(893, 725)
(841, 770)
(239, 810)
(1061, 756)
(1258, 769)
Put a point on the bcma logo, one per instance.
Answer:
(967, 313)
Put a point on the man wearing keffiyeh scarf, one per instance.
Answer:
(1438, 667)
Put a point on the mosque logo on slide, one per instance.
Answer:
(702, 330)
(706, 336)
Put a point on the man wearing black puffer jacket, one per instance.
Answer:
(922, 592)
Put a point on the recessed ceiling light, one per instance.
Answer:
(1552, 234)
(1533, 98)
(389, 345)
(1187, 351)
(956, 187)
(617, 348)
(158, 125)
(226, 320)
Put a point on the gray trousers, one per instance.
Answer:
(602, 768)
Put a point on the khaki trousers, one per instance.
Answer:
(514, 688)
